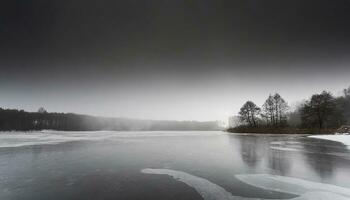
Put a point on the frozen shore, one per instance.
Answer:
(345, 139)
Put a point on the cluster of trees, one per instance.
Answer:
(324, 111)
(321, 112)
(19, 120)
(12, 119)
(272, 113)
(274, 110)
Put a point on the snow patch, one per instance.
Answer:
(205, 188)
(306, 190)
(321, 196)
(345, 139)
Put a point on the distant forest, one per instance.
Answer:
(321, 113)
(20, 120)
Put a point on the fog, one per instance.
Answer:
(169, 60)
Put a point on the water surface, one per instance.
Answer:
(112, 165)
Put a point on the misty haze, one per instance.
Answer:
(175, 99)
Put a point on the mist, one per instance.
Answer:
(169, 60)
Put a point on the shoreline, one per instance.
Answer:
(273, 134)
(284, 130)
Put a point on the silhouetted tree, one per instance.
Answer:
(345, 105)
(249, 113)
(274, 110)
(42, 110)
(346, 92)
(268, 112)
(318, 110)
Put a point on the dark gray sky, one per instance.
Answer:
(169, 59)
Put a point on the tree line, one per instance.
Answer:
(20, 120)
(322, 112)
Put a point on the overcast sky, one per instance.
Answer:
(169, 59)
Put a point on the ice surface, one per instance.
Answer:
(284, 148)
(207, 189)
(321, 196)
(18, 139)
(306, 190)
(345, 139)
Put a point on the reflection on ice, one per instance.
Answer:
(306, 190)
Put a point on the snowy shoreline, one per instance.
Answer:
(345, 139)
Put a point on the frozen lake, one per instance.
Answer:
(171, 165)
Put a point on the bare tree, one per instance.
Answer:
(281, 109)
(346, 92)
(42, 110)
(274, 110)
(318, 110)
(268, 110)
(249, 113)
